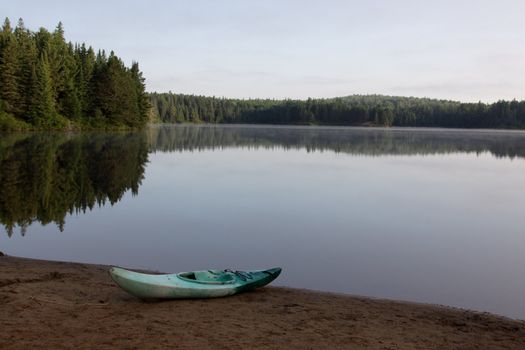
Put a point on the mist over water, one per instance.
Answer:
(424, 215)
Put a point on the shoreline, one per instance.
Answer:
(124, 129)
(52, 304)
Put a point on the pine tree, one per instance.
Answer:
(140, 90)
(27, 56)
(57, 60)
(42, 108)
(69, 103)
(9, 70)
(5, 34)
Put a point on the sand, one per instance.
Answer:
(55, 305)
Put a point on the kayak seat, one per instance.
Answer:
(206, 277)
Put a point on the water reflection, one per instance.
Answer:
(44, 177)
(358, 141)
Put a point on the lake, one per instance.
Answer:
(426, 215)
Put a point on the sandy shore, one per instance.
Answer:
(46, 304)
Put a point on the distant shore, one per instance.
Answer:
(48, 304)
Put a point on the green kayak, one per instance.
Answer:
(196, 284)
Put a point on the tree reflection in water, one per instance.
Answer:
(359, 141)
(44, 177)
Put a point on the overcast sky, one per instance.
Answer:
(466, 50)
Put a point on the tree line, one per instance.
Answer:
(371, 110)
(48, 83)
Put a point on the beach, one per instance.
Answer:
(61, 305)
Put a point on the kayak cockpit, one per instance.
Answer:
(207, 277)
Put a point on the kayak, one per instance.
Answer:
(196, 284)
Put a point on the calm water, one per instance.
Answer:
(423, 215)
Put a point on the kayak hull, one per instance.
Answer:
(188, 285)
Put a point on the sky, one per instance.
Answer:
(468, 50)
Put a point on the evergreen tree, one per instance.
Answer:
(27, 55)
(42, 109)
(9, 72)
(140, 90)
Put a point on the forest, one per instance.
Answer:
(48, 83)
(362, 110)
